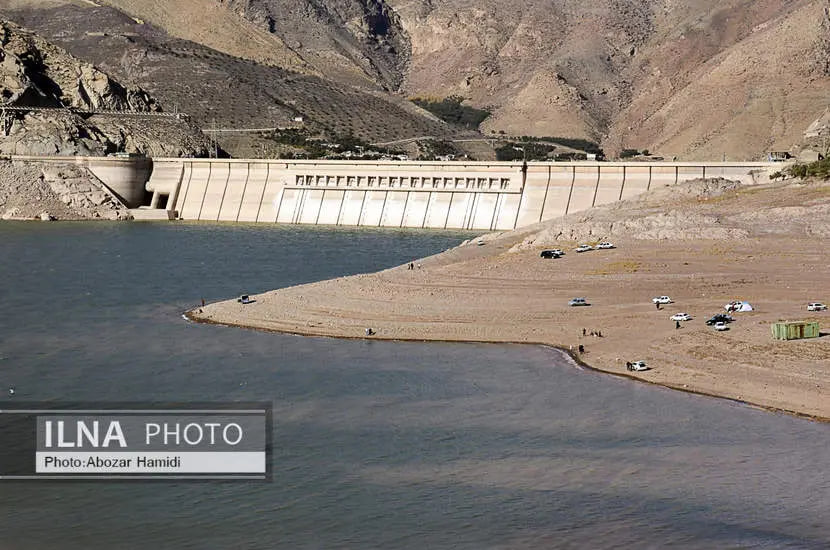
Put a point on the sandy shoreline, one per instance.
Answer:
(503, 292)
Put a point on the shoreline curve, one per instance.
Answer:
(194, 318)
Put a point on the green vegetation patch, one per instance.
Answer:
(524, 150)
(818, 169)
(432, 149)
(451, 110)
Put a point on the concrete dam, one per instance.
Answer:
(444, 195)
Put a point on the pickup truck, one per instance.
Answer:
(816, 306)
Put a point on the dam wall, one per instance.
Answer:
(444, 195)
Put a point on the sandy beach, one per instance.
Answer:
(704, 244)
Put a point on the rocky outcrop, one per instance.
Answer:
(38, 75)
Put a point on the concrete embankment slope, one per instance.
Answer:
(124, 177)
(55, 190)
(449, 195)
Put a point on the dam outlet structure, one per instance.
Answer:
(443, 195)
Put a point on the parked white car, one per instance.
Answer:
(681, 317)
(584, 248)
(720, 326)
(662, 300)
(637, 366)
(816, 306)
(605, 246)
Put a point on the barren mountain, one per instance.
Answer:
(222, 86)
(685, 78)
(691, 78)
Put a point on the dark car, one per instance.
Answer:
(719, 318)
(548, 254)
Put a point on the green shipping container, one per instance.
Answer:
(795, 330)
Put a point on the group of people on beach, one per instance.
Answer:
(597, 333)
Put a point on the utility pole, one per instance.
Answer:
(214, 144)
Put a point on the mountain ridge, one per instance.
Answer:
(682, 78)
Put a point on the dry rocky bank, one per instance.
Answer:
(724, 242)
(55, 192)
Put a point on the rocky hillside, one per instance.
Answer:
(229, 86)
(686, 78)
(38, 75)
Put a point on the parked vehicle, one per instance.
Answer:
(605, 246)
(548, 254)
(578, 302)
(245, 299)
(681, 317)
(637, 366)
(584, 248)
(719, 318)
(816, 306)
(720, 325)
(662, 300)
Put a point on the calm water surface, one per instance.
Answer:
(377, 445)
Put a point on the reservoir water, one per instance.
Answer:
(376, 444)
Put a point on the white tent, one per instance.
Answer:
(745, 306)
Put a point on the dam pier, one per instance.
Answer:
(416, 194)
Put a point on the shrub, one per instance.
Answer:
(628, 153)
(819, 169)
(797, 170)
